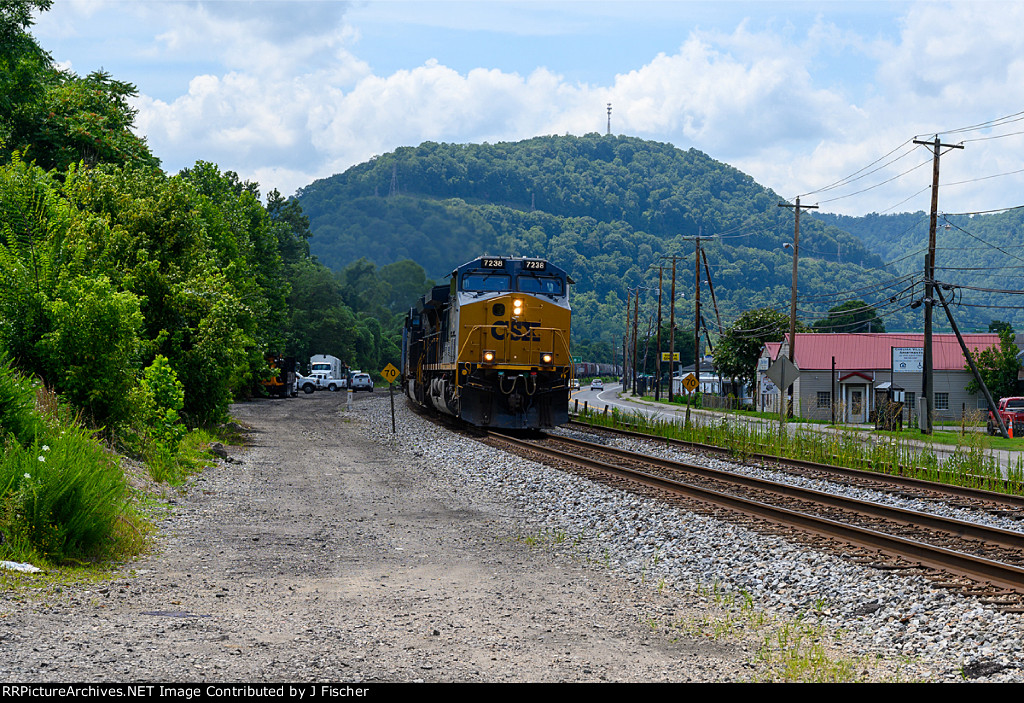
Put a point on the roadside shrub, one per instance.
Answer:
(92, 348)
(157, 431)
(63, 497)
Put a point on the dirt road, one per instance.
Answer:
(325, 554)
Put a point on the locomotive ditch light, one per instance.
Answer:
(547, 358)
(488, 355)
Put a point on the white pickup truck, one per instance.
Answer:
(319, 381)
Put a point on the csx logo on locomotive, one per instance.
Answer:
(519, 331)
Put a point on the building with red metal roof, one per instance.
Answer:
(840, 374)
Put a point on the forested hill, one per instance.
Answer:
(607, 208)
(981, 255)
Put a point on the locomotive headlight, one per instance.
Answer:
(547, 358)
(488, 355)
(517, 306)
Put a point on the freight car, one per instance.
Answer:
(492, 347)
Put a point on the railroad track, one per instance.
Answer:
(997, 503)
(983, 561)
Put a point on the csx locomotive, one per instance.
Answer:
(492, 347)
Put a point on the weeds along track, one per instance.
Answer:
(1000, 504)
(972, 558)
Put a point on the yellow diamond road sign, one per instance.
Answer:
(690, 382)
(390, 373)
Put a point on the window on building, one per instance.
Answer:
(824, 399)
(942, 401)
(909, 400)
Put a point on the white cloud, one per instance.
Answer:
(280, 90)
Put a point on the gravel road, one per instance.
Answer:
(323, 551)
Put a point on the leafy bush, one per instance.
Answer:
(92, 348)
(157, 431)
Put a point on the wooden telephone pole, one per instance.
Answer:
(927, 381)
(792, 297)
(672, 329)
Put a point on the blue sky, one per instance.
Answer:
(798, 95)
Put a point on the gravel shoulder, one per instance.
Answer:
(326, 551)
(330, 550)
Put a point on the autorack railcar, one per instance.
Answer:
(492, 346)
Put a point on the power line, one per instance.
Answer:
(999, 249)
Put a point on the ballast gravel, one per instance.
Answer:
(331, 549)
(926, 633)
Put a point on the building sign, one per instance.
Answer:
(907, 359)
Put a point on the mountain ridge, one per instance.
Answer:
(606, 208)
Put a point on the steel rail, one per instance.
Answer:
(957, 528)
(1008, 499)
(976, 568)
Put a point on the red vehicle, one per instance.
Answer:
(1012, 411)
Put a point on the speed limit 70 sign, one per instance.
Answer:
(690, 383)
(390, 373)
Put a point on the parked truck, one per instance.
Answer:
(1011, 409)
(325, 372)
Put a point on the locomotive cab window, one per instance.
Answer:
(546, 285)
(486, 282)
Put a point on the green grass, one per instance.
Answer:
(65, 499)
(972, 462)
(784, 650)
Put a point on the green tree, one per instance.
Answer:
(91, 352)
(998, 366)
(740, 346)
(83, 119)
(291, 227)
(24, 68)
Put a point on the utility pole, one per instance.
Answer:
(927, 381)
(636, 318)
(696, 319)
(711, 287)
(625, 347)
(672, 330)
(657, 360)
(974, 367)
(625, 373)
(792, 296)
